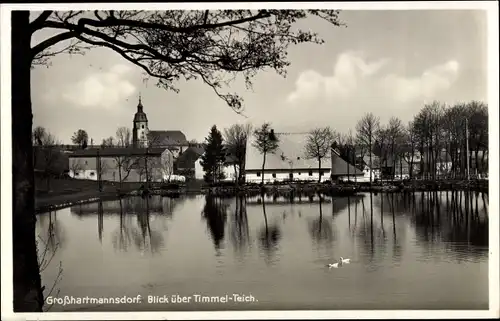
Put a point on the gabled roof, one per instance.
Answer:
(366, 160)
(290, 153)
(193, 153)
(115, 152)
(167, 137)
(341, 167)
(188, 158)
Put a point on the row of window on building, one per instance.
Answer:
(291, 174)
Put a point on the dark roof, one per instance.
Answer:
(167, 137)
(116, 151)
(140, 115)
(365, 160)
(341, 167)
(189, 157)
(231, 159)
(197, 149)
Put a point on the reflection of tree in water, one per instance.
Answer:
(320, 228)
(50, 231)
(240, 236)
(157, 204)
(269, 236)
(445, 217)
(50, 239)
(215, 213)
(397, 249)
(100, 220)
(370, 229)
(122, 239)
(142, 235)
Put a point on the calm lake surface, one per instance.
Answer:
(419, 251)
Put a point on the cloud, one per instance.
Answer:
(107, 89)
(426, 86)
(354, 78)
(349, 72)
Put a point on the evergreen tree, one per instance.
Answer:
(214, 157)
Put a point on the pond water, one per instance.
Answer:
(415, 251)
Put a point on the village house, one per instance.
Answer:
(344, 171)
(375, 170)
(186, 162)
(289, 163)
(125, 164)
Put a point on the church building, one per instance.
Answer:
(142, 136)
(153, 153)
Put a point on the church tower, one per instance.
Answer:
(140, 131)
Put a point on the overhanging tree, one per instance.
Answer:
(213, 46)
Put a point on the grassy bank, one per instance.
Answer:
(68, 191)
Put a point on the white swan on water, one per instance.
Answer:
(345, 260)
(333, 265)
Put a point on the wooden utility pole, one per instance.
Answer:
(99, 180)
(467, 147)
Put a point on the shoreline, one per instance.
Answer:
(63, 200)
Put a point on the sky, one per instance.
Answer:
(389, 63)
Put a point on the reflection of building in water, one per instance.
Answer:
(339, 203)
(132, 205)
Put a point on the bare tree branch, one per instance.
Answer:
(215, 46)
(38, 22)
(318, 145)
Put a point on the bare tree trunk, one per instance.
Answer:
(263, 167)
(401, 167)
(120, 164)
(348, 161)
(28, 293)
(371, 163)
(319, 164)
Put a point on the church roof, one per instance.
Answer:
(140, 116)
(167, 137)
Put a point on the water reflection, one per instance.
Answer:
(50, 231)
(269, 235)
(139, 234)
(215, 214)
(389, 237)
(320, 228)
(240, 233)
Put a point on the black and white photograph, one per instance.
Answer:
(242, 160)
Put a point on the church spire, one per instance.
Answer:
(139, 106)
